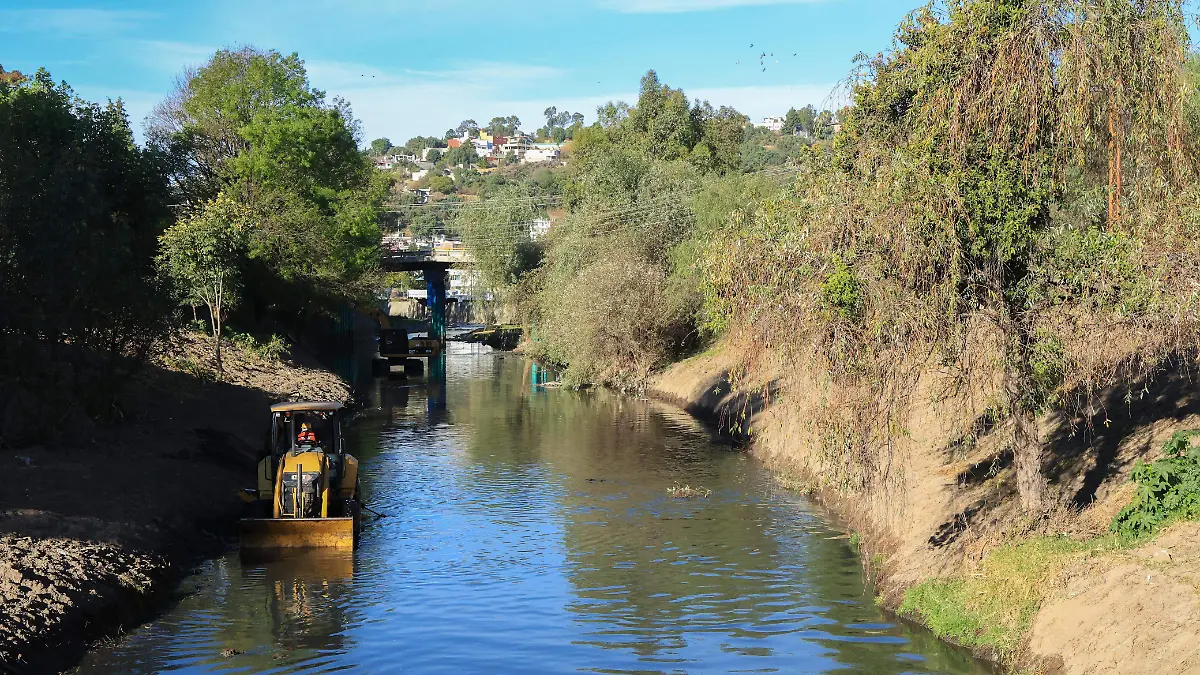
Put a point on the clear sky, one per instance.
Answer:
(412, 67)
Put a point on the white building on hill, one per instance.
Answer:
(772, 123)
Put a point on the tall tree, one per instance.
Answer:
(248, 124)
(380, 146)
(663, 119)
(203, 254)
(467, 128)
(81, 208)
(11, 76)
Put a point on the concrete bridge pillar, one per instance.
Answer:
(435, 284)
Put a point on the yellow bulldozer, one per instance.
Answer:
(308, 491)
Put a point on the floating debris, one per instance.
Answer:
(688, 492)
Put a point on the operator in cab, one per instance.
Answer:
(306, 435)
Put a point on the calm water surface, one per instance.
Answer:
(529, 530)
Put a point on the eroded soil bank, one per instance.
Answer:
(945, 538)
(94, 536)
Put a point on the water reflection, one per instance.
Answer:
(530, 530)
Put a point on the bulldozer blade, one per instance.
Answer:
(288, 533)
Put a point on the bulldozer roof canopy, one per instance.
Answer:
(301, 406)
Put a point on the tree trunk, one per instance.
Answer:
(1026, 439)
(214, 311)
(1114, 169)
(1027, 458)
(217, 344)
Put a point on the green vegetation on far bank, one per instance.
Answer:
(991, 609)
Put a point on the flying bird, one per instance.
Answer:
(751, 45)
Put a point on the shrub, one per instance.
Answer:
(1168, 489)
(617, 320)
(271, 350)
(842, 291)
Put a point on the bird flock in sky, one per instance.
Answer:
(763, 57)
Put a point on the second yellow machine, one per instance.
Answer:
(307, 494)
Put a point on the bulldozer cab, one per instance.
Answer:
(297, 427)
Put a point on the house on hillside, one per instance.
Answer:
(423, 169)
(772, 123)
(482, 147)
(543, 152)
(518, 144)
(453, 143)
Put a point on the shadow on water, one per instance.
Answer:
(530, 529)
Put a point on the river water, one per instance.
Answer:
(530, 530)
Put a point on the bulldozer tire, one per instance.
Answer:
(256, 509)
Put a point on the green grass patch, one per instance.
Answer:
(992, 608)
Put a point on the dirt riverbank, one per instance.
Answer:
(93, 537)
(945, 539)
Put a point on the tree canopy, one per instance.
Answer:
(81, 208)
(249, 125)
(380, 146)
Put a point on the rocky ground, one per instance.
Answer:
(93, 536)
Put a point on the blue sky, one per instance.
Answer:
(411, 67)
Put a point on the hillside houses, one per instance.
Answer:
(494, 148)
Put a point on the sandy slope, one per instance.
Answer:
(940, 513)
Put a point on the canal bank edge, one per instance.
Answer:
(946, 544)
(95, 535)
